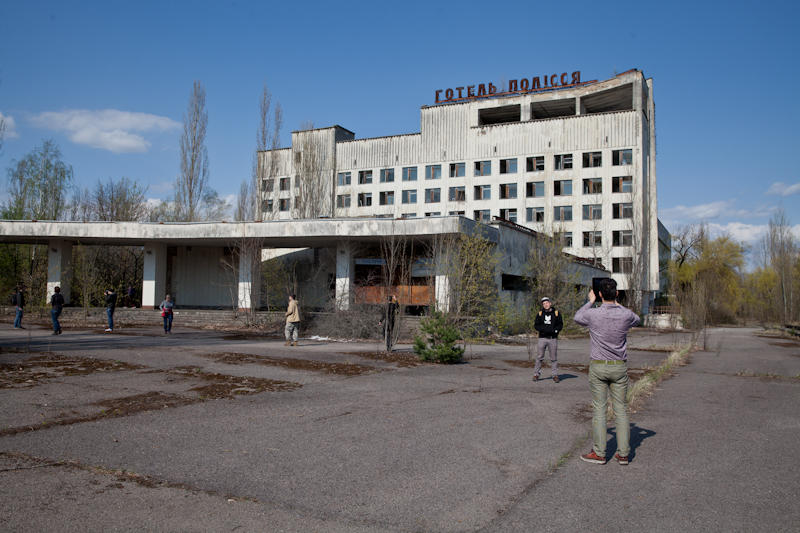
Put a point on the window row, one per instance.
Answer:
(484, 168)
(563, 213)
(284, 204)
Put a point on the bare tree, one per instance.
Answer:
(396, 278)
(191, 183)
(120, 200)
(270, 122)
(38, 185)
(782, 252)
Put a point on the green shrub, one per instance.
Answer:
(438, 342)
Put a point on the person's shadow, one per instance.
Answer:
(638, 434)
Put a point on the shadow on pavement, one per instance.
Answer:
(638, 434)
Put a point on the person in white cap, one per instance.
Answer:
(548, 323)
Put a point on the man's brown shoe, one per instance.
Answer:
(555, 379)
(621, 459)
(287, 343)
(592, 457)
(535, 378)
(294, 343)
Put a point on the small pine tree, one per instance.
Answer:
(438, 342)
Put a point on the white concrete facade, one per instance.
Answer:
(577, 160)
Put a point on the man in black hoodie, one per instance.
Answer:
(548, 323)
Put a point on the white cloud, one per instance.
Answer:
(783, 189)
(107, 129)
(746, 233)
(10, 127)
(683, 214)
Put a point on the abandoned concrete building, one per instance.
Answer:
(577, 160)
(218, 265)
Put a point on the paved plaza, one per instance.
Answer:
(205, 431)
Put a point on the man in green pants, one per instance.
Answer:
(608, 328)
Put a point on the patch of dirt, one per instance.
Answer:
(787, 344)
(48, 365)
(399, 358)
(227, 386)
(251, 336)
(581, 412)
(634, 374)
(341, 369)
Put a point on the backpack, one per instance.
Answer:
(14, 299)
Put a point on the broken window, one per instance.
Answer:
(343, 178)
(593, 186)
(535, 163)
(410, 196)
(267, 205)
(409, 173)
(562, 188)
(267, 185)
(534, 214)
(457, 194)
(283, 204)
(433, 214)
(481, 215)
(510, 282)
(433, 172)
(534, 189)
(509, 214)
(457, 170)
(386, 198)
(562, 213)
(563, 161)
(499, 115)
(622, 210)
(483, 168)
(433, 195)
(592, 239)
(483, 192)
(342, 200)
(364, 177)
(364, 199)
(508, 166)
(592, 211)
(622, 265)
(622, 157)
(622, 184)
(623, 238)
(285, 184)
(386, 175)
(566, 239)
(508, 191)
(592, 159)
(408, 215)
(456, 213)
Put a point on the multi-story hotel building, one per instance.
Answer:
(556, 155)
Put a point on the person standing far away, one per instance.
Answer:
(18, 299)
(111, 304)
(548, 323)
(292, 321)
(57, 304)
(608, 369)
(166, 311)
(390, 321)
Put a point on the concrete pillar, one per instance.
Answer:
(59, 263)
(579, 107)
(154, 284)
(249, 279)
(345, 271)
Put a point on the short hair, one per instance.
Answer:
(294, 297)
(57, 289)
(608, 289)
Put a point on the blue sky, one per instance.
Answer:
(109, 82)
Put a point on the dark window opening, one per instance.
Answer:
(499, 115)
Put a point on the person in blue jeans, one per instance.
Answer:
(111, 304)
(166, 311)
(608, 369)
(19, 304)
(57, 304)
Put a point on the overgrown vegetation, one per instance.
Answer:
(438, 340)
